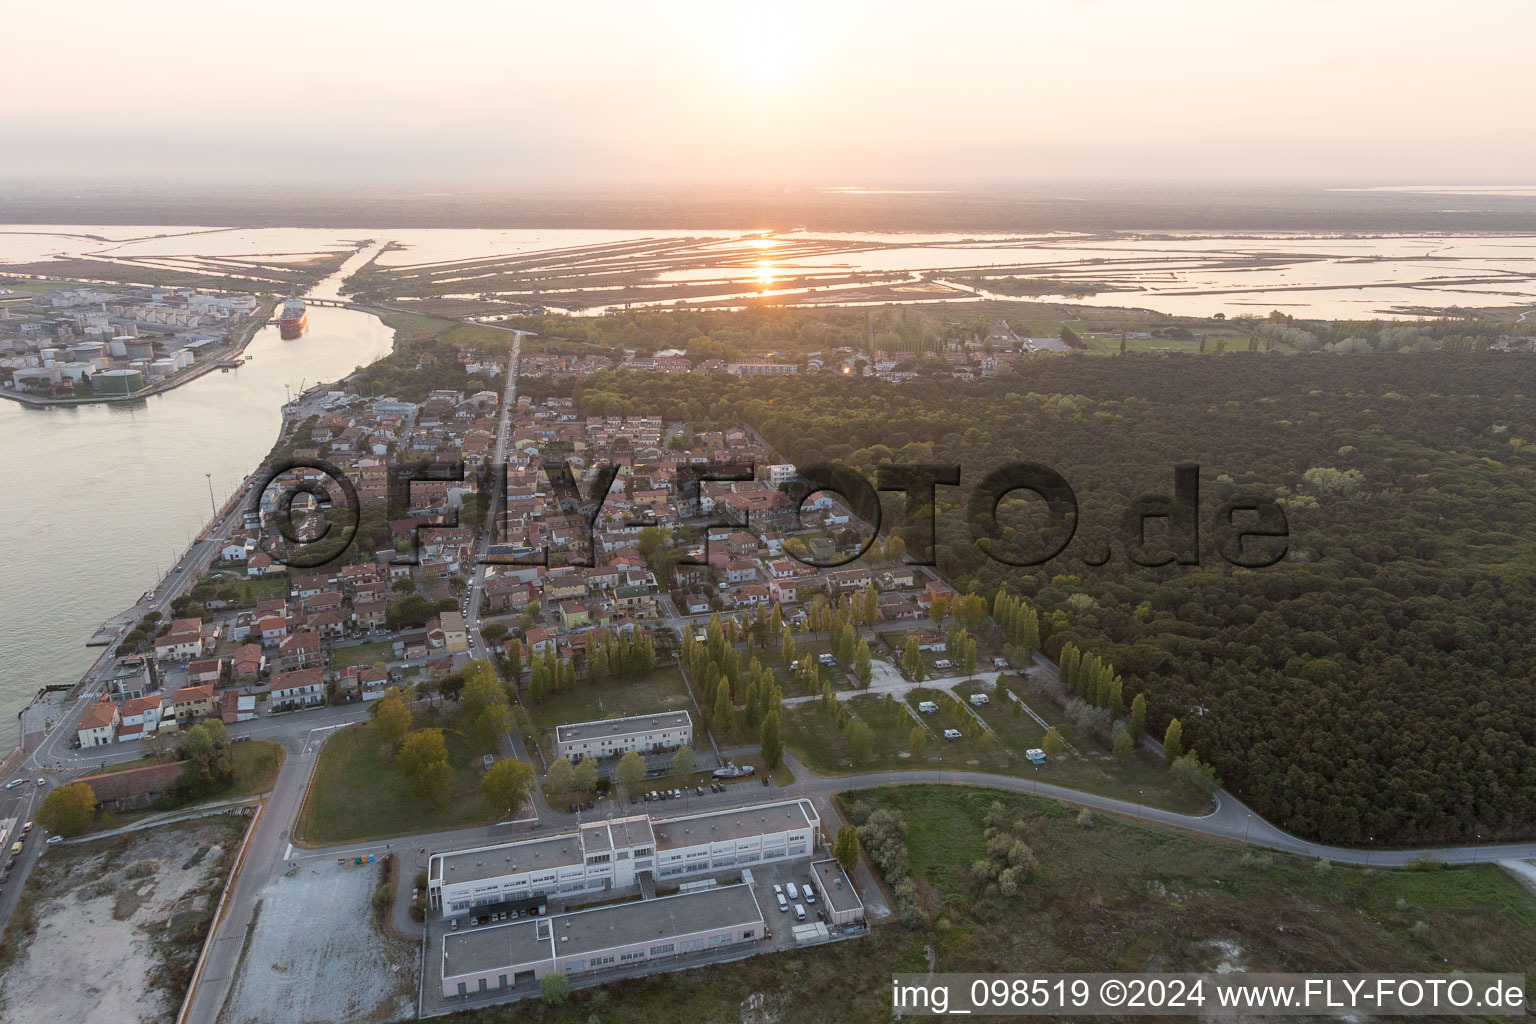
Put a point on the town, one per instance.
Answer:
(104, 343)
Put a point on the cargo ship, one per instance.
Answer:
(292, 320)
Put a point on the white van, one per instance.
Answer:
(928, 707)
(799, 912)
(783, 904)
(793, 890)
(978, 699)
(951, 734)
(826, 659)
(941, 663)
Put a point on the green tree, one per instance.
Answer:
(863, 665)
(916, 738)
(68, 810)
(391, 720)
(631, 770)
(554, 988)
(724, 716)
(1124, 744)
(682, 763)
(1139, 716)
(846, 847)
(1173, 741)
(1193, 774)
(584, 775)
(1052, 744)
(423, 760)
(772, 739)
(561, 777)
(912, 661)
(861, 741)
(507, 783)
(493, 632)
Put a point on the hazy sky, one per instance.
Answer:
(826, 93)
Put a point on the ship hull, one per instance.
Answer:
(292, 327)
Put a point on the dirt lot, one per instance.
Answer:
(316, 954)
(116, 925)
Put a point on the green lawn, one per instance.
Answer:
(822, 745)
(661, 689)
(1113, 895)
(773, 658)
(362, 654)
(357, 793)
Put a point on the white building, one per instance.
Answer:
(98, 722)
(523, 951)
(613, 854)
(781, 473)
(615, 736)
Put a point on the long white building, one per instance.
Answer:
(613, 854)
(497, 957)
(615, 736)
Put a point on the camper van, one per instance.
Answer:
(928, 707)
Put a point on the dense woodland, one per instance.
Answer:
(1376, 685)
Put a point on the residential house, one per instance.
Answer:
(98, 723)
(302, 687)
(190, 703)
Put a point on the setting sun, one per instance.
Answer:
(765, 51)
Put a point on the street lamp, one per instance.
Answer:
(211, 503)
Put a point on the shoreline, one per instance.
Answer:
(107, 634)
(235, 351)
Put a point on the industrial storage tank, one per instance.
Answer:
(117, 382)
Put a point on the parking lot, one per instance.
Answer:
(784, 874)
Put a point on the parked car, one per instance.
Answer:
(799, 912)
(778, 890)
(14, 783)
(792, 890)
(55, 840)
(783, 904)
(952, 734)
(810, 897)
(698, 790)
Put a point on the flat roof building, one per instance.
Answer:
(841, 903)
(613, 854)
(501, 956)
(615, 736)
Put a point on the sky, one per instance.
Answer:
(825, 93)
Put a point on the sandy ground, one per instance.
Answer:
(117, 922)
(315, 954)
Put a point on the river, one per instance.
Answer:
(99, 499)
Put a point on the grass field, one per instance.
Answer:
(661, 689)
(413, 327)
(357, 793)
(362, 654)
(823, 746)
(1114, 895)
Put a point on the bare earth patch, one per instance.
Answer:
(315, 953)
(118, 924)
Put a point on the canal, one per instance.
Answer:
(97, 500)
